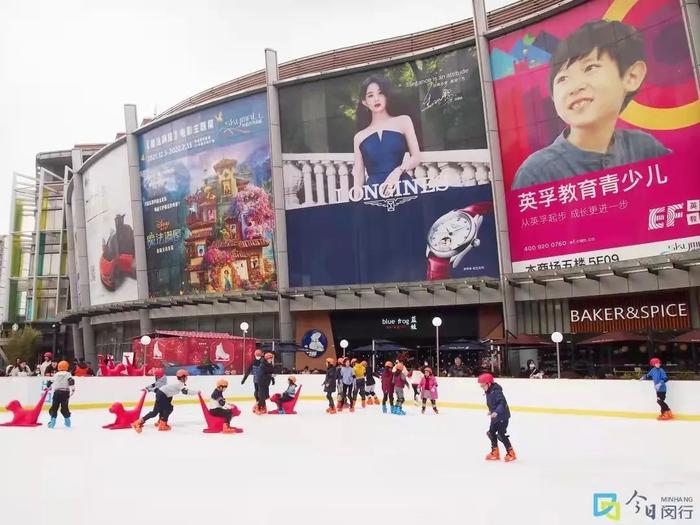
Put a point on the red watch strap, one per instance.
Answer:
(438, 268)
(479, 208)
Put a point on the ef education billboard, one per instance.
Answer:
(599, 121)
(386, 175)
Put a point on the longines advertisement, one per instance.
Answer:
(387, 175)
(207, 205)
(110, 235)
(599, 120)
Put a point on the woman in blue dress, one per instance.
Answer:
(382, 140)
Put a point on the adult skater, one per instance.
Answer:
(254, 370)
(267, 369)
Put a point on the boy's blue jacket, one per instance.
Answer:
(658, 375)
(496, 402)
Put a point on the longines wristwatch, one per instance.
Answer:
(452, 236)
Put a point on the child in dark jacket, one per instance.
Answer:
(387, 378)
(220, 408)
(329, 384)
(372, 398)
(660, 378)
(499, 414)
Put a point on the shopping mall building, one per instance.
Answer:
(524, 184)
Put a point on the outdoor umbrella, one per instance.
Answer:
(463, 345)
(523, 340)
(689, 337)
(613, 337)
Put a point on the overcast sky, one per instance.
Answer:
(67, 67)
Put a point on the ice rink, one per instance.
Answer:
(366, 467)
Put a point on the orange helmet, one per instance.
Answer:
(269, 355)
(389, 364)
(222, 382)
(399, 366)
(63, 366)
(258, 353)
(364, 363)
(292, 379)
(330, 361)
(182, 373)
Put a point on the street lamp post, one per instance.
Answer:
(557, 338)
(344, 344)
(145, 341)
(437, 322)
(244, 328)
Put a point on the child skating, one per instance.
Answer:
(164, 402)
(428, 389)
(287, 395)
(62, 386)
(400, 382)
(330, 383)
(359, 370)
(500, 415)
(220, 408)
(660, 378)
(347, 378)
(416, 376)
(370, 381)
(387, 379)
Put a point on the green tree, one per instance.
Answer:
(23, 344)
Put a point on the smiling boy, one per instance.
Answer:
(595, 72)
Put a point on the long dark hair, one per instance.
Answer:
(363, 114)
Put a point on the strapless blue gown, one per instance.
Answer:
(382, 155)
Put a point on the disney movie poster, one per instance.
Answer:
(599, 117)
(387, 175)
(208, 215)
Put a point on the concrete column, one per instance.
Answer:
(286, 327)
(73, 273)
(80, 250)
(132, 151)
(494, 146)
(691, 16)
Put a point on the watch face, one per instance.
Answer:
(450, 233)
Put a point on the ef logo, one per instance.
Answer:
(665, 216)
(606, 504)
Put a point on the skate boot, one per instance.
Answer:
(384, 409)
(352, 407)
(52, 423)
(494, 455)
(228, 430)
(156, 423)
(400, 411)
(364, 403)
(669, 414)
(332, 410)
(137, 425)
(422, 410)
(370, 401)
(281, 411)
(163, 426)
(435, 410)
(66, 421)
(510, 456)
(339, 406)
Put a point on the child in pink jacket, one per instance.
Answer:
(428, 389)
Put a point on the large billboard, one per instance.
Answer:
(599, 117)
(109, 229)
(207, 204)
(387, 175)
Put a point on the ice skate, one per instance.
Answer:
(163, 426)
(435, 410)
(384, 409)
(52, 422)
(510, 456)
(228, 430)
(494, 455)
(422, 410)
(364, 403)
(370, 401)
(331, 410)
(67, 422)
(352, 408)
(138, 425)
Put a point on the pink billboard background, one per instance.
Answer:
(640, 209)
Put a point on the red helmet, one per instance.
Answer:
(485, 379)
(182, 373)
(48, 355)
(158, 373)
(269, 355)
(353, 361)
(428, 370)
(654, 361)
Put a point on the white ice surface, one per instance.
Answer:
(360, 468)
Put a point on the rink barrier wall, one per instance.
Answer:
(575, 397)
